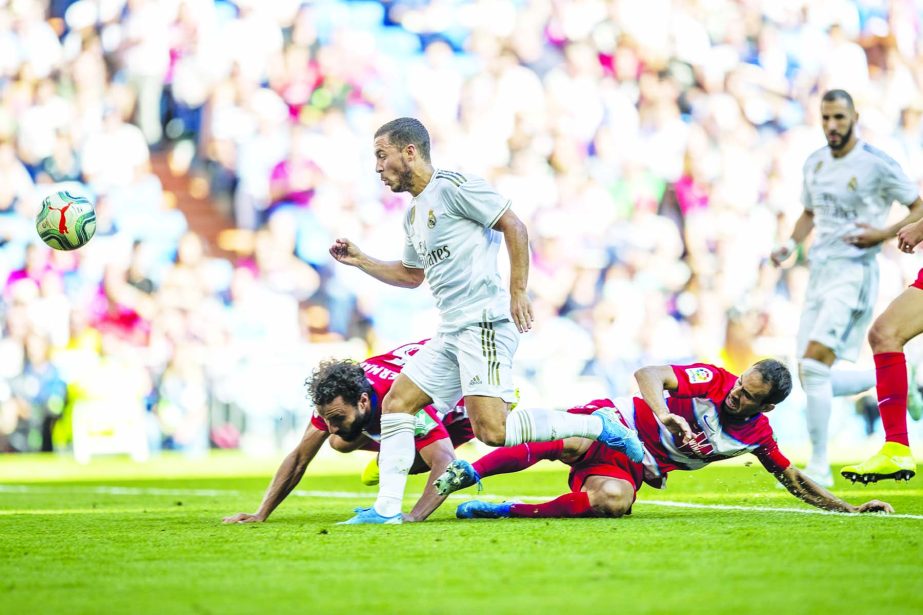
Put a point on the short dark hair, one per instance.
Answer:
(777, 376)
(835, 95)
(332, 379)
(406, 130)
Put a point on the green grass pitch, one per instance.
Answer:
(117, 537)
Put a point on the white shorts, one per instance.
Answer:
(838, 306)
(476, 360)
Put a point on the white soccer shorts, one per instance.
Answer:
(838, 306)
(475, 360)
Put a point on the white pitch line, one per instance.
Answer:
(102, 490)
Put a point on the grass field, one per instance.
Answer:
(117, 537)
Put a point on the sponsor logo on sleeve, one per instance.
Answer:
(699, 375)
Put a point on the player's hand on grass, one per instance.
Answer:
(345, 251)
(875, 506)
(909, 236)
(867, 236)
(678, 426)
(521, 310)
(244, 518)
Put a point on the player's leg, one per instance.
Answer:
(601, 496)
(485, 357)
(837, 312)
(898, 324)
(818, 387)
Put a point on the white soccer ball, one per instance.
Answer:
(67, 221)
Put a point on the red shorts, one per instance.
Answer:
(918, 283)
(600, 460)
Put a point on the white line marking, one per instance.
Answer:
(350, 495)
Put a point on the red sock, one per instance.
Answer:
(568, 505)
(891, 379)
(515, 458)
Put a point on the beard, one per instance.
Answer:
(843, 140)
(404, 179)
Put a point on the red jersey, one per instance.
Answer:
(699, 399)
(381, 372)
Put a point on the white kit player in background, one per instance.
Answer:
(849, 187)
(452, 234)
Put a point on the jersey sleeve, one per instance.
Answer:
(476, 200)
(410, 258)
(895, 185)
(318, 422)
(770, 456)
(701, 380)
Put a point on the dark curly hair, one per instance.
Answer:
(332, 379)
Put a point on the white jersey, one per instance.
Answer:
(449, 235)
(843, 192)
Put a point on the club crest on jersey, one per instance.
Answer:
(431, 219)
(698, 375)
(817, 166)
(853, 184)
(413, 213)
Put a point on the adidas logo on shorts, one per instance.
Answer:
(475, 380)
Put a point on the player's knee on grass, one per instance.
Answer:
(610, 497)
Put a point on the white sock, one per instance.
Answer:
(851, 381)
(540, 425)
(815, 378)
(394, 461)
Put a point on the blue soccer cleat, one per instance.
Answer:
(476, 509)
(370, 516)
(458, 475)
(616, 436)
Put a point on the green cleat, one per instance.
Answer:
(894, 460)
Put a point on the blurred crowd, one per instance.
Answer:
(653, 148)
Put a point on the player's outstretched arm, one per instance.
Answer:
(808, 491)
(653, 380)
(517, 244)
(437, 456)
(287, 476)
(394, 273)
(803, 227)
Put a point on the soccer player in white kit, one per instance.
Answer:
(452, 237)
(849, 187)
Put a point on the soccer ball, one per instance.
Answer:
(66, 221)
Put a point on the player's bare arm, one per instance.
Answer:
(287, 476)
(870, 236)
(653, 380)
(394, 273)
(517, 244)
(437, 456)
(342, 445)
(803, 227)
(808, 491)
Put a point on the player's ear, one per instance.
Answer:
(365, 401)
(767, 408)
(410, 150)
